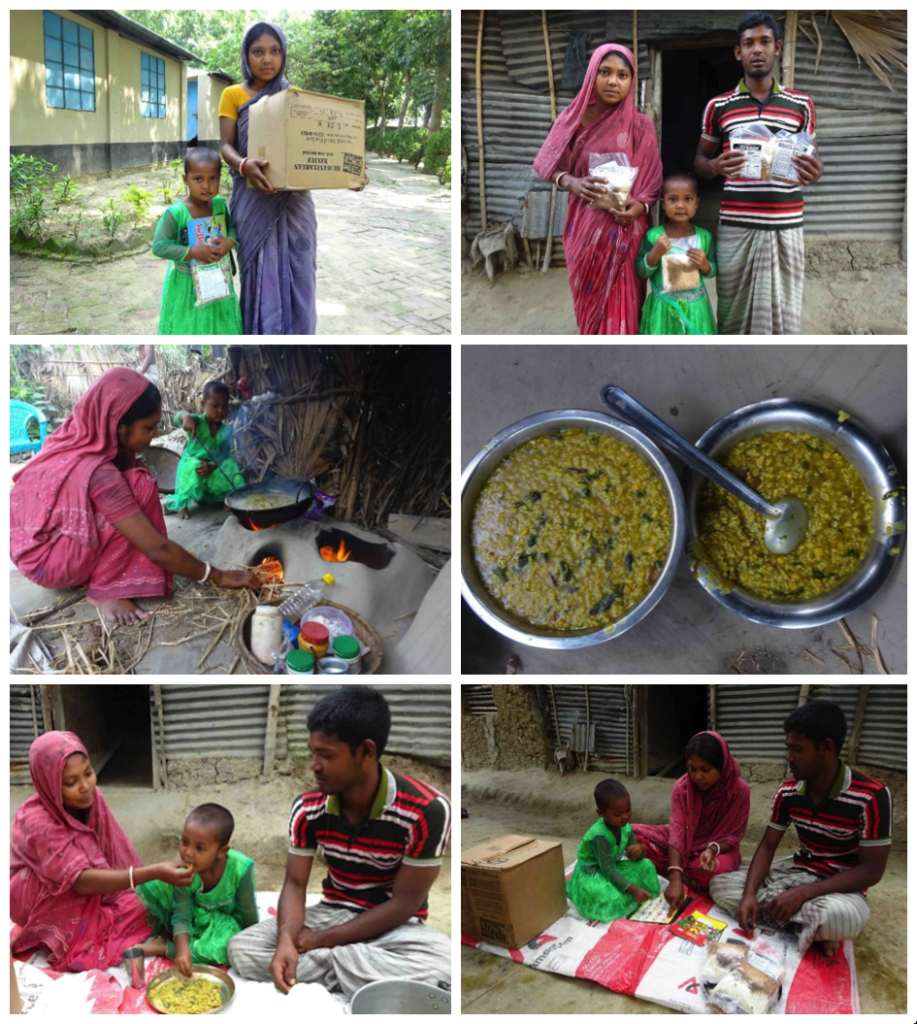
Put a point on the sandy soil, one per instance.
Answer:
(493, 985)
(847, 302)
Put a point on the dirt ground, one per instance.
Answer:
(548, 806)
(261, 807)
(523, 302)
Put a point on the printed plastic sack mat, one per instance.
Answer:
(650, 962)
(60, 995)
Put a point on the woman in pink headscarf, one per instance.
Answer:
(601, 245)
(710, 805)
(72, 868)
(83, 513)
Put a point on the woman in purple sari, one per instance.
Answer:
(277, 231)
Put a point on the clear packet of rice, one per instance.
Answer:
(211, 282)
(620, 177)
(759, 146)
(789, 145)
(750, 986)
(721, 958)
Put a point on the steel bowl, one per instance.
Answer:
(225, 984)
(874, 465)
(476, 474)
(401, 995)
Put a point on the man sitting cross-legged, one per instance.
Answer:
(383, 837)
(844, 822)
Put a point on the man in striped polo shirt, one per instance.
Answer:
(760, 247)
(844, 822)
(383, 836)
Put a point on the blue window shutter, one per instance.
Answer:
(85, 36)
(71, 31)
(52, 25)
(71, 55)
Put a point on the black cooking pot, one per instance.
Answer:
(300, 494)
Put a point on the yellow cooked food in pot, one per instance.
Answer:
(264, 502)
(187, 995)
(778, 465)
(571, 530)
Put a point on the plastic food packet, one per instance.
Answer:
(789, 145)
(678, 272)
(751, 986)
(721, 958)
(616, 168)
(211, 282)
(759, 147)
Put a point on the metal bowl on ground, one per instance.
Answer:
(872, 462)
(402, 997)
(225, 984)
(243, 502)
(478, 471)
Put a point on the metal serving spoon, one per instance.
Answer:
(785, 522)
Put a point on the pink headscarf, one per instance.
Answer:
(623, 129)
(719, 815)
(51, 496)
(54, 844)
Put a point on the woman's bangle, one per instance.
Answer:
(207, 573)
(673, 867)
(559, 178)
(130, 872)
(717, 845)
(242, 167)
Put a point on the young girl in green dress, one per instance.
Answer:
(612, 872)
(177, 312)
(193, 925)
(207, 471)
(681, 312)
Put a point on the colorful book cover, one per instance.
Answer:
(697, 928)
(206, 231)
(657, 911)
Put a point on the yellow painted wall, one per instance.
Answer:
(32, 121)
(209, 91)
(117, 117)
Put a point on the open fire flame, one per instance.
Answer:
(330, 555)
(252, 526)
(270, 572)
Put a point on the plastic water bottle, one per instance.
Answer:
(307, 597)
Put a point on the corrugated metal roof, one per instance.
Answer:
(480, 699)
(750, 718)
(523, 43)
(421, 718)
(27, 722)
(884, 738)
(215, 721)
(608, 712)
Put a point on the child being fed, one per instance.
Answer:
(612, 872)
(193, 925)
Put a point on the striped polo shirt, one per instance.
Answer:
(857, 812)
(408, 823)
(769, 205)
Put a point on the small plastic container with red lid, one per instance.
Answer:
(314, 638)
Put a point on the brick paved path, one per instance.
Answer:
(383, 268)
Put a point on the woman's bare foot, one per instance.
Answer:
(120, 610)
(155, 947)
(183, 513)
(829, 947)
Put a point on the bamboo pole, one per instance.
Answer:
(477, 81)
(270, 736)
(789, 48)
(547, 50)
(636, 60)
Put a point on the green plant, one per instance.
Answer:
(178, 165)
(166, 188)
(29, 177)
(112, 218)
(138, 199)
(438, 150)
(446, 177)
(66, 191)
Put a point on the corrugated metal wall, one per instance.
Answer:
(861, 125)
(215, 721)
(480, 701)
(751, 719)
(608, 711)
(421, 718)
(862, 138)
(27, 721)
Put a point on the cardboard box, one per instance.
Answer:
(310, 140)
(512, 889)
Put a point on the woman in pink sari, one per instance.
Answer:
(83, 513)
(601, 245)
(72, 868)
(710, 805)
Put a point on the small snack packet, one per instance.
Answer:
(616, 169)
(721, 958)
(751, 986)
(211, 282)
(759, 147)
(789, 145)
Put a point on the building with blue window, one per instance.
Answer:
(94, 91)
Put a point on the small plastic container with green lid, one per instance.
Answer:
(300, 663)
(347, 648)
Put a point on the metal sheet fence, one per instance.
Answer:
(607, 712)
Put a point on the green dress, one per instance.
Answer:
(687, 312)
(189, 487)
(177, 312)
(210, 919)
(602, 873)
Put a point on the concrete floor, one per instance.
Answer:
(691, 387)
(549, 806)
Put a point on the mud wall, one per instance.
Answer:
(515, 738)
